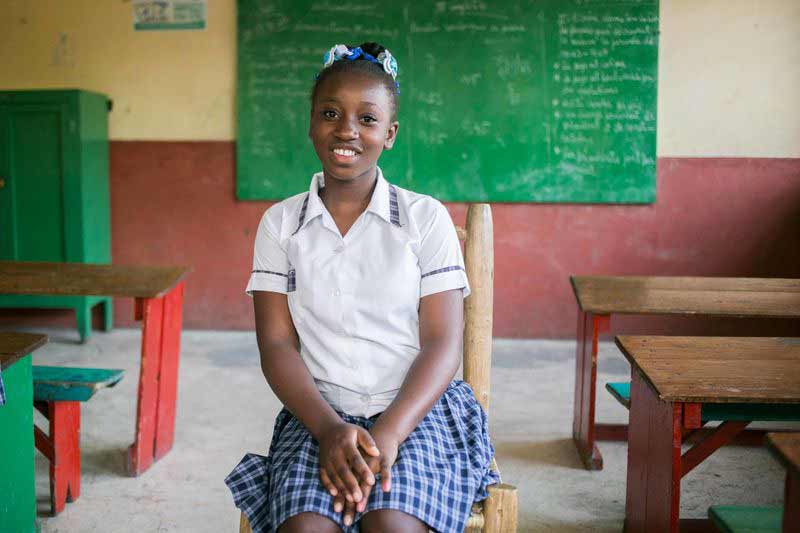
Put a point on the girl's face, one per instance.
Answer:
(351, 125)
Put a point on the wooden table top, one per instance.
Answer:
(765, 297)
(14, 346)
(786, 448)
(717, 369)
(81, 279)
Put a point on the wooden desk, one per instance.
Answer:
(786, 448)
(599, 297)
(158, 292)
(17, 473)
(672, 378)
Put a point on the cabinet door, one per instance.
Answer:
(32, 167)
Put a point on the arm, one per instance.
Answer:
(294, 386)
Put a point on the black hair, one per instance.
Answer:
(362, 66)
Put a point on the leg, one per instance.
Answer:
(305, 522)
(65, 465)
(583, 429)
(791, 502)
(500, 509)
(108, 314)
(391, 520)
(168, 375)
(652, 502)
(83, 315)
(140, 453)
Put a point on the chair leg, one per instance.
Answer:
(65, 466)
(500, 509)
(244, 525)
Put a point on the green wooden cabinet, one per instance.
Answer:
(54, 193)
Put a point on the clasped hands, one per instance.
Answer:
(349, 458)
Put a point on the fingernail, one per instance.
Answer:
(348, 520)
(337, 507)
(349, 498)
(333, 492)
(357, 496)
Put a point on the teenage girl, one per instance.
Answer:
(357, 287)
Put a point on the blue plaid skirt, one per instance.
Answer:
(442, 468)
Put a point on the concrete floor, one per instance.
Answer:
(226, 409)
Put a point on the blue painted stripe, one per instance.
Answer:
(442, 270)
(270, 272)
(394, 210)
(302, 214)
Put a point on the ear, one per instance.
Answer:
(391, 135)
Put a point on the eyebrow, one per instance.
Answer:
(336, 101)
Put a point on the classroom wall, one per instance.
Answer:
(728, 161)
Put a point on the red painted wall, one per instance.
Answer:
(174, 203)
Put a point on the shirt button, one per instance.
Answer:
(338, 249)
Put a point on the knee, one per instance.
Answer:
(384, 520)
(304, 522)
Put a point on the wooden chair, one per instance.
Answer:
(498, 513)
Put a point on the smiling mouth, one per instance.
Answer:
(344, 152)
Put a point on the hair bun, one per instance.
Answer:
(372, 49)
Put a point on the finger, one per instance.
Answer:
(338, 503)
(327, 483)
(386, 476)
(359, 466)
(349, 513)
(350, 481)
(341, 488)
(366, 489)
(366, 442)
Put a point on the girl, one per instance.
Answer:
(357, 287)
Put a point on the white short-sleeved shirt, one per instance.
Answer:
(354, 300)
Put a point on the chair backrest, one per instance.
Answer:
(478, 240)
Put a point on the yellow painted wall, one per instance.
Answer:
(729, 71)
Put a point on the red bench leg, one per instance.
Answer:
(63, 450)
(158, 378)
(583, 427)
(168, 379)
(652, 502)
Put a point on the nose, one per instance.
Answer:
(347, 128)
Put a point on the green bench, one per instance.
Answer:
(57, 393)
(723, 411)
(745, 519)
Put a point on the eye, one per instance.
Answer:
(329, 114)
(368, 119)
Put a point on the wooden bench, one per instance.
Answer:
(738, 518)
(712, 412)
(57, 393)
(158, 294)
(743, 519)
(600, 297)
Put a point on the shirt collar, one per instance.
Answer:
(383, 202)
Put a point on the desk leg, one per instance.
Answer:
(590, 327)
(158, 378)
(168, 378)
(652, 502)
(791, 503)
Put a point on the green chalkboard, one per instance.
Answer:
(512, 101)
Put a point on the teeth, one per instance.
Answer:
(341, 151)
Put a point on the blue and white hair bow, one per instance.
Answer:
(341, 51)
